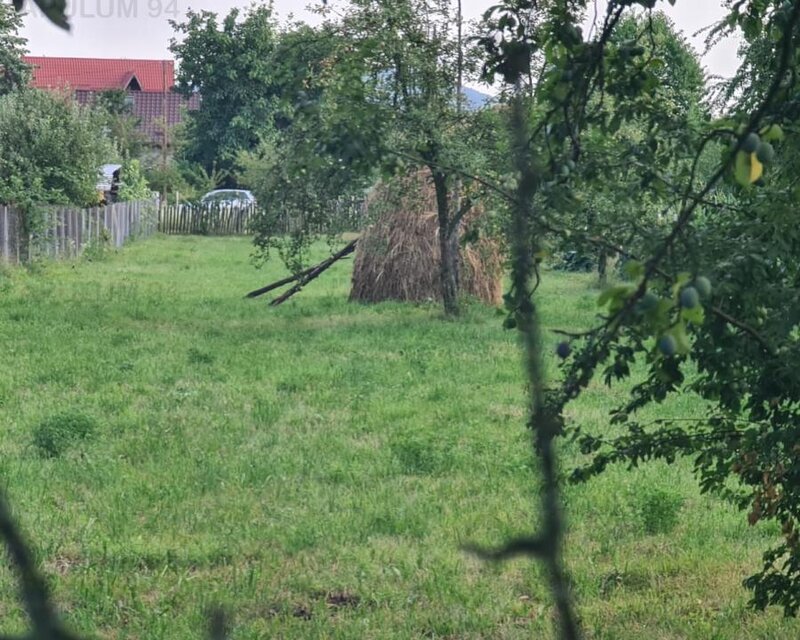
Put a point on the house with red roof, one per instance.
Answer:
(149, 85)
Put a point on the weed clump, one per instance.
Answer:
(200, 357)
(53, 436)
(659, 508)
(420, 454)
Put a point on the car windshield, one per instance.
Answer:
(226, 196)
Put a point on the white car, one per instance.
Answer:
(233, 198)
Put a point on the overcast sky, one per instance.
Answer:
(140, 28)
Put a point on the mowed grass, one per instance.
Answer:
(315, 469)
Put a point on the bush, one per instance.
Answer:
(134, 185)
(659, 509)
(51, 150)
(56, 434)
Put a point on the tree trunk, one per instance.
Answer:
(448, 245)
(602, 268)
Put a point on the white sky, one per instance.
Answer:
(140, 28)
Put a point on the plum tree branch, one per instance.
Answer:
(583, 369)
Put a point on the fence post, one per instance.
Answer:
(16, 236)
(4, 230)
(53, 232)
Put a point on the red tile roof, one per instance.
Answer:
(148, 107)
(98, 74)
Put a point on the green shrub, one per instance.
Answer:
(133, 185)
(56, 434)
(659, 508)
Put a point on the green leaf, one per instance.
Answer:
(614, 295)
(620, 297)
(633, 269)
(695, 315)
(55, 10)
(773, 133)
(682, 278)
(604, 297)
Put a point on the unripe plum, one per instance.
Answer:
(751, 143)
(667, 345)
(649, 301)
(689, 298)
(703, 286)
(765, 153)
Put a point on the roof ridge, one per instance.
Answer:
(101, 73)
(101, 59)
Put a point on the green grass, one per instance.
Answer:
(316, 468)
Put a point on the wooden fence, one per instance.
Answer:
(66, 232)
(221, 220)
(206, 220)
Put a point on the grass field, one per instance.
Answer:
(316, 468)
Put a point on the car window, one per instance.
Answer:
(228, 196)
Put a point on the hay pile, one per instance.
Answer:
(398, 257)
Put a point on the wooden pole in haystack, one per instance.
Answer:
(304, 277)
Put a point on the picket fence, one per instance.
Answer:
(66, 232)
(350, 214)
(207, 220)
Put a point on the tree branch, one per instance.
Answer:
(536, 547)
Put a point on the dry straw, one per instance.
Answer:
(398, 257)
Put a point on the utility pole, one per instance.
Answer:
(460, 62)
(458, 186)
(165, 134)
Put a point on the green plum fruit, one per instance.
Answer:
(765, 153)
(751, 143)
(648, 302)
(703, 286)
(667, 345)
(690, 298)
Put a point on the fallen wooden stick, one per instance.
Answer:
(303, 277)
(314, 273)
(278, 284)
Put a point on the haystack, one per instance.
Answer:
(397, 258)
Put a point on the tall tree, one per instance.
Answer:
(228, 63)
(412, 53)
(393, 99)
(320, 150)
(643, 129)
(384, 95)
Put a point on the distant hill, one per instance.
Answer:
(476, 99)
